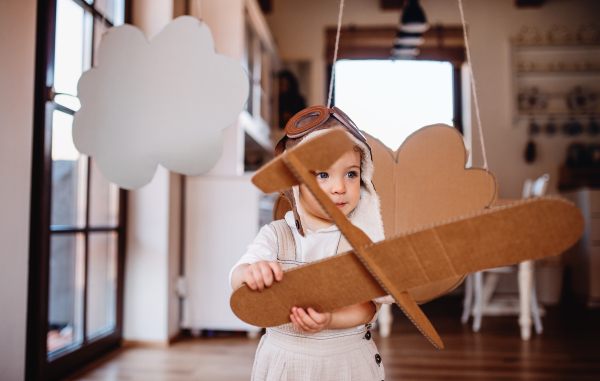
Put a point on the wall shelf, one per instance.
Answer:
(546, 75)
(553, 73)
(562, 114)
(552, 47)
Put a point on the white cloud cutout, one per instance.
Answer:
(160, 102)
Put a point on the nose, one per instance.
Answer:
(338, 187)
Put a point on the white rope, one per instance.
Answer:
(107, 5)
(199, 9)
(473, 87)
(337, 42)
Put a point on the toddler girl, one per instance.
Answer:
(317, 346)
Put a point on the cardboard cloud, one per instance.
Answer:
(425, 181)
(160, 102)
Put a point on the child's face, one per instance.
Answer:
(341, 182)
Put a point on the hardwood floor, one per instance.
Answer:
(567, 350)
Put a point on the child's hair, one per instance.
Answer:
(361, 155)
(358, 151)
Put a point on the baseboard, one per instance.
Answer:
(152, 344)
(175, 338)
(593, 303)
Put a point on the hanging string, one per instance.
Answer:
(199, 9)
(103, 21)
(473, 87)
(337, 42)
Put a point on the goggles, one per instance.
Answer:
(313, 117)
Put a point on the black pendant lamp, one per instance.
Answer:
(413, 24)
(413, 18)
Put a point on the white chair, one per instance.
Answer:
(527, 305)
(385, 320)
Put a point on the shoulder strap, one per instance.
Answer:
(286, 245)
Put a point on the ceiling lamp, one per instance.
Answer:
(413, 18)
(413, 24)
(405, 38)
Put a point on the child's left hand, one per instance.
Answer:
(310, 320)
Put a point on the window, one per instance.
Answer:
(392, 99)
(365, 51)
(77, 216)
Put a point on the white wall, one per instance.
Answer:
(17, 57)
(299, 29)
(221, 220)
(151, 15)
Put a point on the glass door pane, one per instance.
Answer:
(69, 175)
(104, 199)
(102, 283)
(73, 46)
(65, 293)
(113, 9)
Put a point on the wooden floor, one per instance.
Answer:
(569, 349)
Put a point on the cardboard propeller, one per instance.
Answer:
(495, 237)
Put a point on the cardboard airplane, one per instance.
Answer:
(439, 253)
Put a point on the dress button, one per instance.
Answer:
(368, 335)
(297, 224)
(378, 359)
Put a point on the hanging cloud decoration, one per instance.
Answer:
(160, 102)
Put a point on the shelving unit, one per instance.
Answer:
(262, 63)
(556, 70)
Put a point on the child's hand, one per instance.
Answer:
(311, 322)
(260, 275)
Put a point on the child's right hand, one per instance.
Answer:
(261, 274)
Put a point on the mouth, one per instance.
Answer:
(341, 204)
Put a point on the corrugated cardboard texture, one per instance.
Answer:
(426, 181)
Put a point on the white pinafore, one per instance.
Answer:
(288, 354)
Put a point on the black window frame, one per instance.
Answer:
(38, 365)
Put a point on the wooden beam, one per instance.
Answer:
(443, 43)
(529, 3)
(388, 5)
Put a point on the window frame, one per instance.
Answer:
(442, 43)
(38, 364)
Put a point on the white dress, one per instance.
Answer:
(287, 353)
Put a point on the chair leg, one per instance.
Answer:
(478, 301)
(535, 310)
(468, 299)
(525, 284)
(385, 319)
(489, 286)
